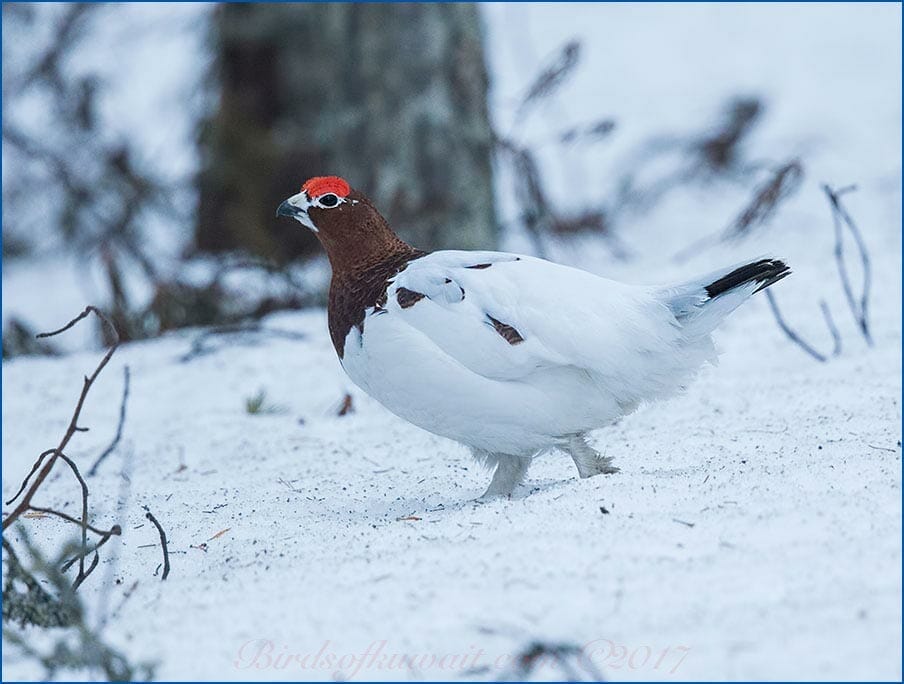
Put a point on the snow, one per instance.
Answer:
(754, 528)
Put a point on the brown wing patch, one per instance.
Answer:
(509, 334)
(408, 298)
(478, 266)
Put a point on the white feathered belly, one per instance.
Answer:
(412, 377)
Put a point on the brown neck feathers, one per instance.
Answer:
(364, 254)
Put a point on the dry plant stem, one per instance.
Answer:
(830, 323)
(25, 503)
(115, 531)
(797, 339)
(122, 419)
(68, 518)
(166, 565)
(84, 522)
(860, 310)
(83, 574)
(105, 536)
(34, 468)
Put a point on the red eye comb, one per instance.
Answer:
(321, 185)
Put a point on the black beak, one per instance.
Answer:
(286, 209)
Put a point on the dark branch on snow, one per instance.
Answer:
(797, 339)
(122, 419)
(166, 564)
(860, 309)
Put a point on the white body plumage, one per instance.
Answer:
(509, 355)
(590, 349)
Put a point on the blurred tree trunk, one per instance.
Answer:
(390, 96)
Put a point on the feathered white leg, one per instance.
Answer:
(510, 472)
(588, 460)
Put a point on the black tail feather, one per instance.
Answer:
(765, 272)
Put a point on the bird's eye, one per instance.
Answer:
(328, 200)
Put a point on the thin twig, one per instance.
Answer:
(25, 503)
(793, 336)
(839, 214)
(83, 574)
(761, 208)
(84, 522)
(166, 565)
(69, 518)
(830, 324)
(34, 468)
(122, 419)
(115, 531)
(552, 76)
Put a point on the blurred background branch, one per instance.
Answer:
(395, 97)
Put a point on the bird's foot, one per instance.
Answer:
(588, 460)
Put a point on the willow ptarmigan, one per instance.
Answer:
(510, 355)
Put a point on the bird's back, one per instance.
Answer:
(532, 346)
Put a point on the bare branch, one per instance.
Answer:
(797, 339)
(830, 324)
(84, 521)
(860, 309)
(88, 310)
(122, 419)
(25, 503)
(116, 530)
(166, 565)
(34, 468)
(552, 76)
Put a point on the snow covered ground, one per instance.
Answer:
(754, 530)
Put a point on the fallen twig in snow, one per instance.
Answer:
(166, 565)
(797, 339)
(288, 485)
(860, 309)
(830, 324)
(122, 419)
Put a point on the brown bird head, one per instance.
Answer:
(349, 227)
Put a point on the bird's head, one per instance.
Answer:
(318, 198)
(347, 225)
